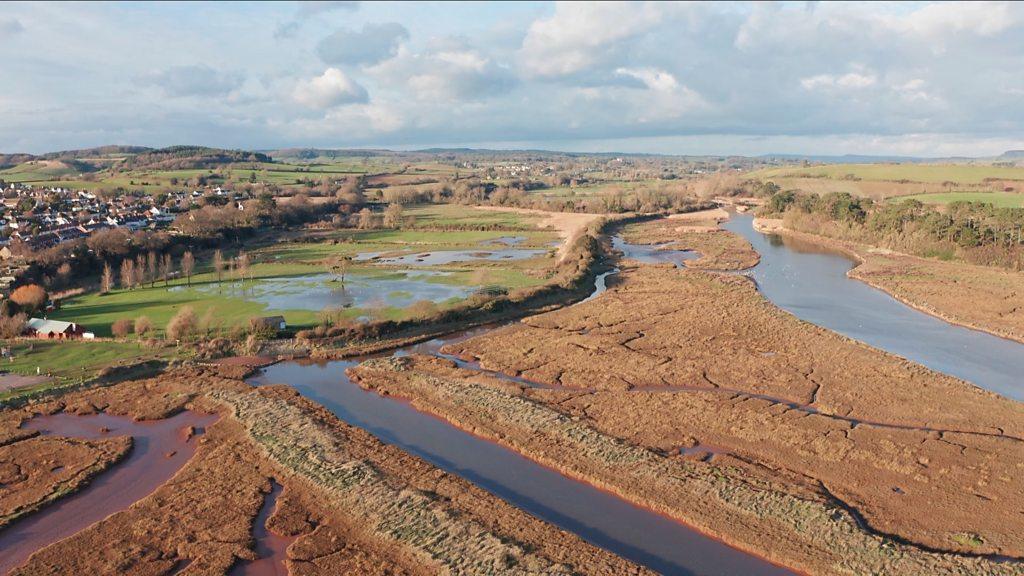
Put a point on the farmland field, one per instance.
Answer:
(999, 199)
(927, 173)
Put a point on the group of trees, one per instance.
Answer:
(978, 231)
(146, 269)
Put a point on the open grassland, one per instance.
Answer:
(460, 216)
(72, 360)
(927, 173)
(998, 199)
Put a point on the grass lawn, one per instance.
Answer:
(73, 360)
(999, 199)
(931, 173)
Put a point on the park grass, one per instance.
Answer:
(998, 199)
(75, 359)
(927, 173)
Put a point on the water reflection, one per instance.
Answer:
(810, 281)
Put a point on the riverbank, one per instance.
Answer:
(880, 436)
(977, 297)
(351, 503)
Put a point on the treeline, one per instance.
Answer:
(522, 194)
(977, 232)
(189, 157)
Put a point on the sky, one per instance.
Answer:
(916, 79)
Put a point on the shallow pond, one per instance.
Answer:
(440, 257)
(811, 282)
(323, 291)
(652, 253)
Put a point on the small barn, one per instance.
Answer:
(53, 329)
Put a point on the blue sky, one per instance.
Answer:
(716, 78)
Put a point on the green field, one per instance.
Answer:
(226, 306)
(999, 199)
(929, 173)
(71, 360)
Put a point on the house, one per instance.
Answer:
(53, 329)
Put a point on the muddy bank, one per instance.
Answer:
(978, 297)
(349, 503)
(669, 356)
(697, 232)
(792, 524)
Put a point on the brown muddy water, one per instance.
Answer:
(599, 517)
(159, 449)
(271, 548)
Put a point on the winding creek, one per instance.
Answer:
(159, 449)
(810, 282)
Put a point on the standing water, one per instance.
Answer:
(811, 283)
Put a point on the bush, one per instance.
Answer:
(12, 326)
(121, 328)
(30, 297)
(143, 326)
(184, 324)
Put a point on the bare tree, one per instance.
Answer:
(188, 265)
(165, 268)
(140, 270)
(127, 273)
(218, 264)
(243, 265)
(151, 267)
(107, 280)
(366, 219)
(339, 265)
(393, 216)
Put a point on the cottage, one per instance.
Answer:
(53, 329)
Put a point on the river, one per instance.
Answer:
(810, 282)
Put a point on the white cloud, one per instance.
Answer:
(330, 89)
(848, 81)
(194, 80)
(659, 80)
(447, 69)
(579, 34)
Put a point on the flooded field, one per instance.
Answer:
(324, 291)
(442, 257)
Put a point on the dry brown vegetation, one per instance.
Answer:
(352, 504)
(669, 358)
(699, 232)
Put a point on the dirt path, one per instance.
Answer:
(568, 225)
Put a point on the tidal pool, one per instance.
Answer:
(159, 449)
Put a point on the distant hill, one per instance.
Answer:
(314, 153)
(189, 158)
